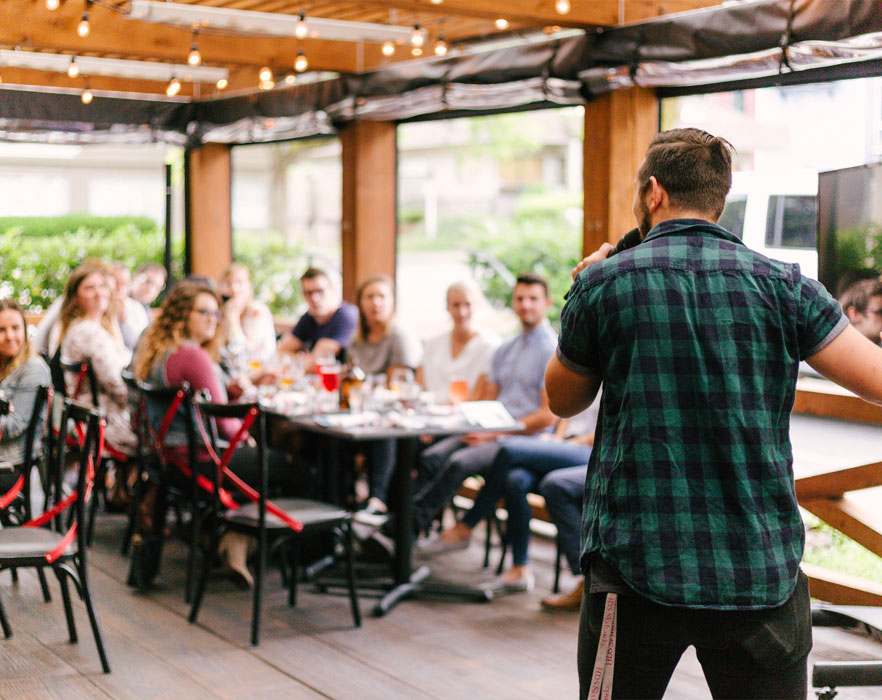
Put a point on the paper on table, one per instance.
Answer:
(346, 420)
(487, 414)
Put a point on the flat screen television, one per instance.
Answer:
(849, 226)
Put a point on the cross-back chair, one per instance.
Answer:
(285, 521)
(33, 545)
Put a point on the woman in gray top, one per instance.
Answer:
(380, 346)
(21, 373)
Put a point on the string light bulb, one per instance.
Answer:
(417, 39)
(416, 51)
(267, 84)
(86, 96)
(388, 48)
(73, 70)
(83, 27)
(436, 2)
(501, 23)
(173, 88)
(441, 46)
(301, 29)
(562, 7)
(222, 83)
(290, 79)
(53, 5)
(300, 63)
(265, 74)
(194, 58)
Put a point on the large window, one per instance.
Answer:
(790, 222)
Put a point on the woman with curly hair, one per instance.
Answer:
(21, 373)
(183, 345)
(87, 330)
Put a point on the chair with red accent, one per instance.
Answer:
(166, 476)
(32, 545)
(15, 504)
(86, 381)
(285, 521)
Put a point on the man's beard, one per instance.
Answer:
(644, 223)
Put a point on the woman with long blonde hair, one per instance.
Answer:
(87, 330)
(21, 373)
(247, 322)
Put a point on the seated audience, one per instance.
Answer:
(862, 303)
(147, 283)
(130, 315)
(328, 324)
(517, 380)
(380, 346)
(522, 461)
(21, 373)
(247, 322)
(183, 345)
(461, 354)
(563, 491)
(87, 330)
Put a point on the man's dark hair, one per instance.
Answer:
(533, 278)
(858, 295)
(694, 167)
(313, 272)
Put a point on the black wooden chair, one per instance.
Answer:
(33, 546)
(286, 521)
(87, 382)
(15, 504)
(170, 480)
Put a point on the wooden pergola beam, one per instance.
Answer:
(369, 219)
(618, 128)
(542, 12)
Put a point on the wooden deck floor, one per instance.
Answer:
(422, 649)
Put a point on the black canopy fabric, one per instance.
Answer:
(749, 44)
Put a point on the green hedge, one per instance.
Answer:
(37, 255)
(46, 226)
(34, 268)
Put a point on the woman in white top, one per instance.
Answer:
(88, 330)
(463, 352)
(248, 323)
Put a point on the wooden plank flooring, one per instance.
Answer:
(422, 649)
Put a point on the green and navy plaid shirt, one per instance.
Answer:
(697, 340)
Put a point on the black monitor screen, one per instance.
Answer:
(849, 226)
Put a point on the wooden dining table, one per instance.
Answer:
(405, 580)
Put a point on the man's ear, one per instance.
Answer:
(852, 313)
(657, 194)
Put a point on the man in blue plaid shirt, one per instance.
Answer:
(691, 532)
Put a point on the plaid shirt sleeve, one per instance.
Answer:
(577, 346)
(819, 320)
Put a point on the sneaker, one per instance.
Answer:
(499, 586)
(565, 601)
(371, 515)
(437, 545)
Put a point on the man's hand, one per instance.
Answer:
(472, 439)
(598, 255)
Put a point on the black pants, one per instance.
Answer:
(744, 654)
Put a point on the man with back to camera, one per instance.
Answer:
(329, 323)
(691, 531)
(862, 303)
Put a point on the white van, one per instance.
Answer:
(775, 213)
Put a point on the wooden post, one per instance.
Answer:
(369, 221)
(618, 128)
(208, 204)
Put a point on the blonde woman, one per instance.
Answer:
(247, 322)
(21, 373)
(87, 330)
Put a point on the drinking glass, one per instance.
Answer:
(459, 389)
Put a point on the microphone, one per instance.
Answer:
(629, 240)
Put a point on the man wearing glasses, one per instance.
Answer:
(329, 323)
